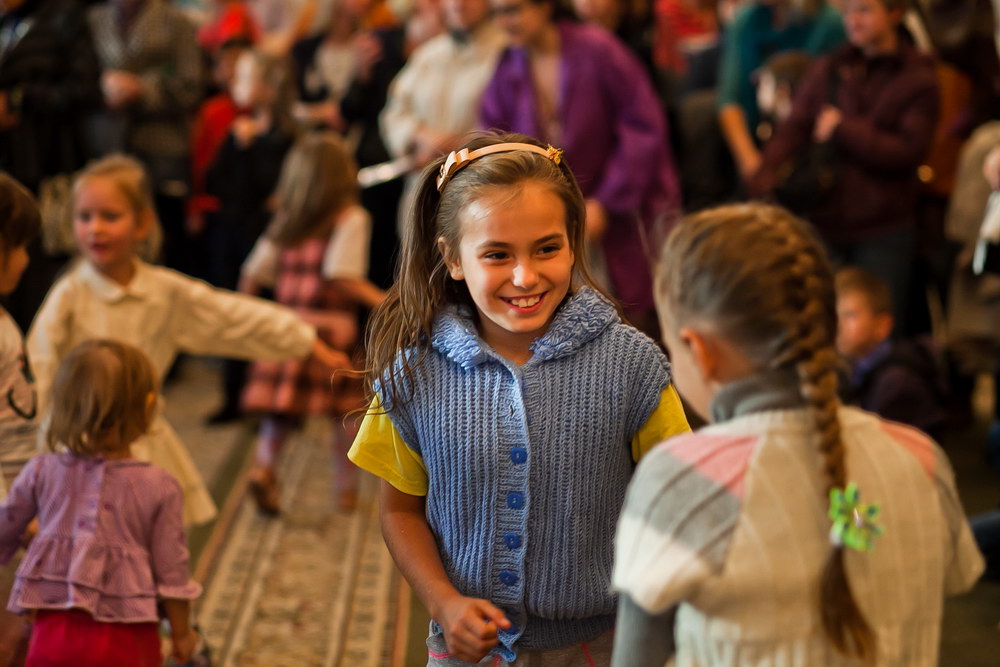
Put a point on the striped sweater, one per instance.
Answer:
(730, 524)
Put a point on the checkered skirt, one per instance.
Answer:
(304, 387)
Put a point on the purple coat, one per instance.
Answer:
(615, 137)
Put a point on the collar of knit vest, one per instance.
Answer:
(580, 319)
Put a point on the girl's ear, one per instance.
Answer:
(144, 224)
(454, 266)
(703, 352)
(150, 410)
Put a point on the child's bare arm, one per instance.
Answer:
(361, 290)
(470, 624)
(182, 635)
(733, 122)
(332, 358)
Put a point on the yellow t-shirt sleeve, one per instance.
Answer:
(667, 420)
(379, 449)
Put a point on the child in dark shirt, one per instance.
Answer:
(896, 379)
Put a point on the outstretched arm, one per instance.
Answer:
(218, 322)
(361, 290)
(470, 624)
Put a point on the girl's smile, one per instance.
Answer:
(525, 304)
(515, 258)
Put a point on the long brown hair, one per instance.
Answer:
(760, 278)
(402, 324)
(318, 179)
(101, 398)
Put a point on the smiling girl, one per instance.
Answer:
(510, 406)
(111, 293)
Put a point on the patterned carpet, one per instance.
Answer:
(313, 587)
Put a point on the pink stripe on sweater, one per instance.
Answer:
(721, 458)
(918, 444)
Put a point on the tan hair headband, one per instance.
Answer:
(459, 159)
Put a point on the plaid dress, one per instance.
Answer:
(307, 387)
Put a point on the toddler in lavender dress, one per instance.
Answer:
(111, 546)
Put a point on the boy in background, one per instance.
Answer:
(896, 379)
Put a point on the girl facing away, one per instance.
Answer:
(314, 256)
(111, 293)
(510, 406)
(792, 530)
(110, 545)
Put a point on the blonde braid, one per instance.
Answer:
(816, 363)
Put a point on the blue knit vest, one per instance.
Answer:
(528, 465)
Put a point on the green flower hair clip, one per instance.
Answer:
(854, 525)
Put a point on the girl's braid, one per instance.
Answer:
(815, 358)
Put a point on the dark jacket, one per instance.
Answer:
(889, 106)
(243, 179)
(364, 100)
(50, 76)
(901, 381)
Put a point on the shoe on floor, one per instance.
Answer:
(264, 488)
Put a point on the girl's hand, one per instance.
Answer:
(183, 646)
(470, 627)
(331, 357)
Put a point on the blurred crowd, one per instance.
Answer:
(872, 119)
